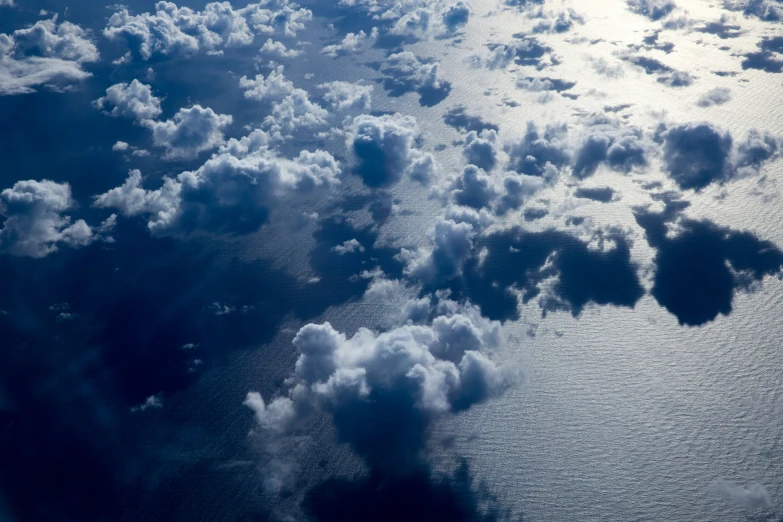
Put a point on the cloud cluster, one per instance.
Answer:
(182, 31)
(451, 245)
(382, 390)
(539, 152)
(497, 193)
(386, 149)
(696, 154)
(291, 106)
(233, 192)
(455, 16)
(189, 132)
(499, 268)
(557, 22)
(768, 58)
(34, 223)
(46, 53)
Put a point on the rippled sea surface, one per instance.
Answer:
(622, 413)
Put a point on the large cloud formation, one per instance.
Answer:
(382, 390)
(34, 224)
(233, 192)
(182, 31)
(46, 53)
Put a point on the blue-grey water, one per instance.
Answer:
(622, 414)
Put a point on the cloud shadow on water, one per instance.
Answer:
(415, 497)
(698, 271)
(521, 260)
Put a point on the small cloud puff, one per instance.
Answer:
(130, 100)
(278, 50)
(716, 96)
(190, 132)
(347, 96)
(352, 43)
(753, 495)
